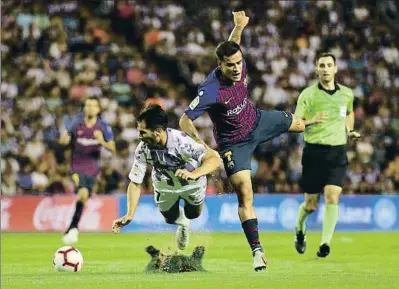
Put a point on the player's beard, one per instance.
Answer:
(152, 143)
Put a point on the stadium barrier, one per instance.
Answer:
(275, 213)
(37, 213)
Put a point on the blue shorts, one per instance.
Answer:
(83, 181)
(269, 124)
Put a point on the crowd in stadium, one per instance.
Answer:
(131, 53)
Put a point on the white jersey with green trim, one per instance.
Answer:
(180, 152)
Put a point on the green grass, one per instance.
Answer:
(357, 260)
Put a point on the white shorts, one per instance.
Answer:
(165, 201)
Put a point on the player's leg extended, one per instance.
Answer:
(192, 211)
(331, 197)
(193, 201)
(305, 209)
(172, 214)
(241, 182)
(83, 193)
(168, 204)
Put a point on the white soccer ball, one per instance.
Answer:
(68, 258)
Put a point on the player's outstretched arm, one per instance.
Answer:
(187, 125)
(240, 21)
(133, 197)
(209, 163)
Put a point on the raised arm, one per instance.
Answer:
(187, 125)
(240, 21)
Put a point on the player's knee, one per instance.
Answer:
(311, 206)
(170, 220)
(331, 194)
(245, 199)
(170, 217)
(83, 194)
(331, 198)
(192, 214)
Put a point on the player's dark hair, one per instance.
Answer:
(154, 116)
(326, 54)
(226, 49)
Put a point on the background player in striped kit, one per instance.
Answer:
(180, 166)
(324, 160)
(238, 126)
(87, 134)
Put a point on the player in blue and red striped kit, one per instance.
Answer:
(239, 127)
(88, 134)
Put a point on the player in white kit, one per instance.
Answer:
(179, 169)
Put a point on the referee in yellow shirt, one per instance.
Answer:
(324, 159)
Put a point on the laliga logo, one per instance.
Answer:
(287, 213)
(385, 214)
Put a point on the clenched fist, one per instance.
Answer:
(240, 19)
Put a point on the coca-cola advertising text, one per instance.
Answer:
(34, 213)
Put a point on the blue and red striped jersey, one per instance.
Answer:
(232, 113)
(86, 148)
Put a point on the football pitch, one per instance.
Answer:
(357, 260)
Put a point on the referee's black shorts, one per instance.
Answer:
(323, 165)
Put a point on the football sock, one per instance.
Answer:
(182, 219)
(329, 222)
(250, 228)
(77, 215)
(302, 216)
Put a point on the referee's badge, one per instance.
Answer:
(342, 111)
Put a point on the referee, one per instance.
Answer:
(324, 159)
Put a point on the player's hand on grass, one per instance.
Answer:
(186, 175)
(121, 222)
(240, 19)
(354, 135)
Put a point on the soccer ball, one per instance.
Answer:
(68, 258)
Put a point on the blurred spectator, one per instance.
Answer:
(132, 53)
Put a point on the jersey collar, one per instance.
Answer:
(330, 92)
